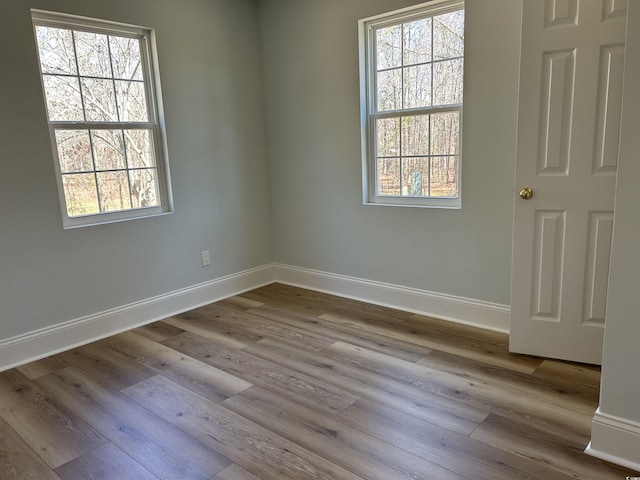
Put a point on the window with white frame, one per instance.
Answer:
(102, 96)
(412, 69)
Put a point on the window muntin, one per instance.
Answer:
(413, 69)
(102, 99)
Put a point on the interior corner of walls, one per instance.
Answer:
(41, 343)
(64, 336)
(616, 440)
(476, 313)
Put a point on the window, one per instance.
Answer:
(102, 96)
(412, 64)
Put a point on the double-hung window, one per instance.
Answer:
(102, 95)
(411, 70)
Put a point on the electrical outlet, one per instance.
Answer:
(205, 258)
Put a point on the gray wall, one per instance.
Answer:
(250, 187)
(310, 58)
(209, 67)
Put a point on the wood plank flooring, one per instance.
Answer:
(284, 383)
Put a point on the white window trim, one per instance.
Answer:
(366, 40)
(155, 108)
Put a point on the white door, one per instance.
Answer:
(568, 129)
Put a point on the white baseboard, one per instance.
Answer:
(616, 440)
(491, 316)
(49, 341)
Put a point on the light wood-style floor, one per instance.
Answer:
(283, 383)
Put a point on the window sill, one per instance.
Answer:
(443, 203)
(117, 217)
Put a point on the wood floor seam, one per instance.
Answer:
(282, 383)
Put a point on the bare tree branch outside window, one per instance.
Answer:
(97, 105)
(418, 94)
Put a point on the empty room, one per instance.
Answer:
(319, 239)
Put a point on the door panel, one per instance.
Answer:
(560, 12)
(597, 273)
(609, 110)
(558, 73)
(568, 128)
(547, 271)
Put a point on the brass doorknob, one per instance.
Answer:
(526, 193)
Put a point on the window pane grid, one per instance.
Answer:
(407, 65)
(99, 86)
(78, 204)
(418, 111)
(408, 150)
(418, 156)
(94, 77)
(417, 104)
(118, 147)
(112, 170)
(75, 56)
(402, 88)
(104, 96)
(71, 208)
